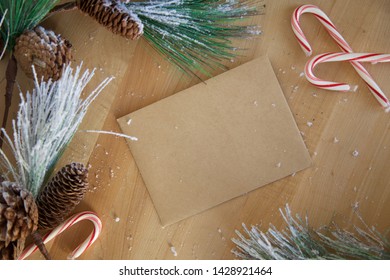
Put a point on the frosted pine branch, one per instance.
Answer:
(299, 241)
(46, 122)
(195, 35)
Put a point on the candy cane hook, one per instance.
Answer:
(66, 225)
(345, 47)
(334, 57)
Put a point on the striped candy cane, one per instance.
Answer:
(333, 57)
(345, 47)
(66, 225)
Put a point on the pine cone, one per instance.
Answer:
(12, 251)
(114, 16)
(61, 195)
(18, 218)
(45, 50)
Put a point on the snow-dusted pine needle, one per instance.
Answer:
(196, 35)
(132, 138)
(46, 121)
(299, 241)
(6, 42)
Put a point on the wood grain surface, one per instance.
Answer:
(335, 185)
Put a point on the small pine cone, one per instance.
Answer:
(114, 16)
(61, 195)
(18, 218)
(44, 49)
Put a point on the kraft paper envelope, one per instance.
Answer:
(215, 141)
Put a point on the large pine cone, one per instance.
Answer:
(61, 195)
(114, 16)
(18, 218)
(44, 49)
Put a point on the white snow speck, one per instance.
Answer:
(117, 219)
(301, 74)
(355, 88)
(309, 124)
(255, 103)
(173, 250)
(335, 140)
(111, 173)
(278, 165)
(129, 121)
(355, 153)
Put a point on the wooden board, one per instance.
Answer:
(329, 190)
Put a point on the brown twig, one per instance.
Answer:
(10, 75)
(69, 6)
(41, 246)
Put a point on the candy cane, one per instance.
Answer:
(333, 57)
(345, 47)
(66, 225)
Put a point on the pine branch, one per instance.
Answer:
(299, 241)
(46, 122)
(41, 246)
(19, 16)
(10, 75)
(22, 15)
(195, 34)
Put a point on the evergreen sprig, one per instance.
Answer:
(21, 16)
(196, 35)
(300, 241)
(46, 122)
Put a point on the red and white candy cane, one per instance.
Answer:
(333, 57)
(66, 225)
(345, 47)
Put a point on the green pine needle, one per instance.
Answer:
(196, 35)
(299, 241)
(21, 16)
